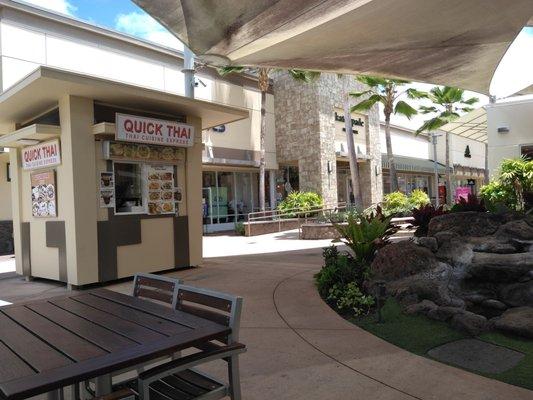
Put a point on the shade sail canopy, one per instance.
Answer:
(471, 126)
(449, 42)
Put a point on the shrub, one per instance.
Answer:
(239, 229)
(418, 198)
(300, 202)
(514, 186)
(422, 215)
(472, 203)
(396, 203)
(364, 235)
(339, 269)
(349, 299)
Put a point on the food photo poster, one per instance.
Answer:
(43, 194)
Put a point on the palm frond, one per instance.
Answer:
(303, 75)
(427, 109)
(471, 101)
(356, 95)
(368, 103)
(404, 109)
(230, 69)
(413, 93)
(372, 81)
(431, 125)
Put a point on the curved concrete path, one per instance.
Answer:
(298, 348)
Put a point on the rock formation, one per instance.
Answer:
(473, 270)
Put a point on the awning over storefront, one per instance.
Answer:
(471, 126)
(449, 42)
(410, 164)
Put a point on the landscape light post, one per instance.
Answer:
(434, 137)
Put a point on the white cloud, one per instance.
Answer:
(60, 6)
(144, 26)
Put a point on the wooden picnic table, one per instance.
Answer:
(57, 342)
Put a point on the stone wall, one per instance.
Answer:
(6, 238)
(305, 134)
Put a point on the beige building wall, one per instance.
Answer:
(517, 116)
(5, 189)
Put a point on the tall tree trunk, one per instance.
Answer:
(448, 171)
(262, 152)
(390, 156)
(352, 152)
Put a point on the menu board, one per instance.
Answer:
(107, 190)
(142, 152)
(43, 194)
(160, 189)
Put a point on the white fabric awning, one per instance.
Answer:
(471, 126)
(449, 42)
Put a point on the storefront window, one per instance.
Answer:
(224, 202)
(255, 191)
(128, 188)
(243, 198)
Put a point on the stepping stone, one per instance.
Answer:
(477, 355)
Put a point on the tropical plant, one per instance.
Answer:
(364, 235)
(388, 92)
(239, 229)
(471, 203)
(448, 103)
(418, 198)
(263, 82)
(350, 299)
(514, 185)
(300, 202)
(422, 215)
(396, 203)
(339, 269)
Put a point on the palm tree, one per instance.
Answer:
(263, 82)
(352, 153)
(449, 103)
(387, 92)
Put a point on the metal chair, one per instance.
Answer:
(156, 287)
(160, 289)
(179, 379)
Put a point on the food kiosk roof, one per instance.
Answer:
(41, 90)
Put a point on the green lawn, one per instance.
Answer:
(419, 334)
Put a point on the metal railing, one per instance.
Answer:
(294, 214)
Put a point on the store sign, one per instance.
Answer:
(41, 155)
(130, 128)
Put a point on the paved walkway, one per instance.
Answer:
(298, 348)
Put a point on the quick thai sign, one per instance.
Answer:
(130, 128)
(42, 155)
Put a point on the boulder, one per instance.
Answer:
(500, 267)
(470, 223)
(494, 304)
(518, 294)
(429, 243)
(492, 244)
(444, 237)
(517, 229)
(420, 308)
(518, 321)
(471, 323)
(456, 252)
(444, 313)
(402, 259)
(430, 285)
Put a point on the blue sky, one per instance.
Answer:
(514, 73)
